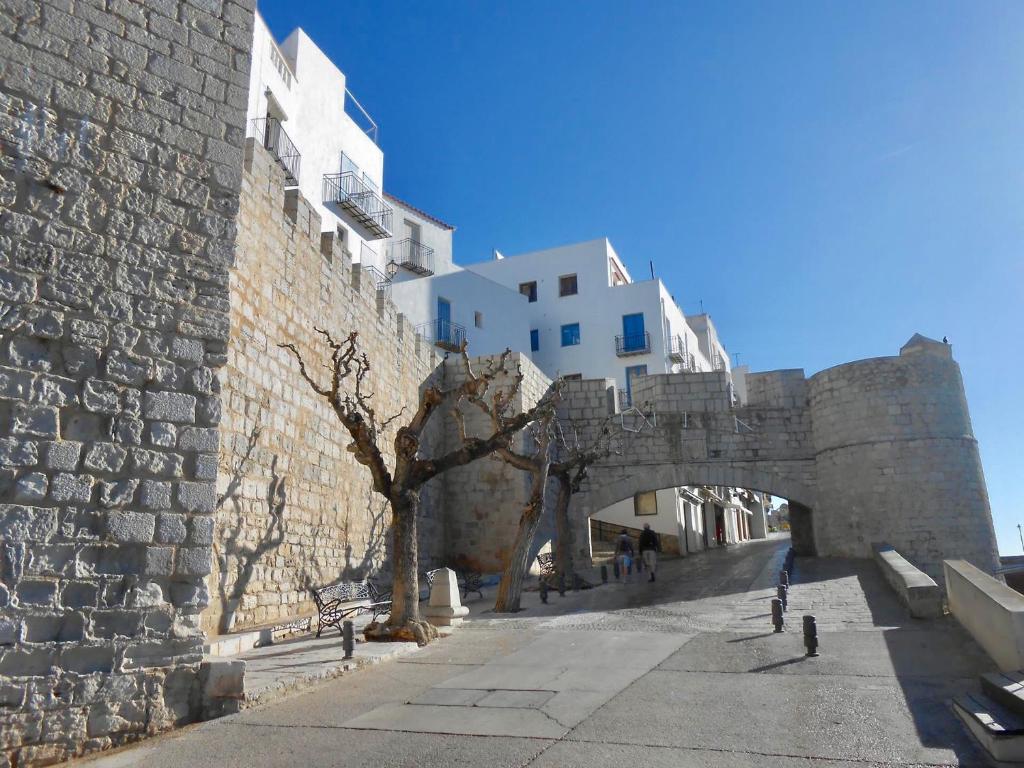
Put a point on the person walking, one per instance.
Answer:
(624, 554)
(650, 546)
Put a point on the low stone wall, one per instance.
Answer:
(989, 610)
(915, 588)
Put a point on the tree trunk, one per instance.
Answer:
(405, 587)
(511, 586)
(564, 547)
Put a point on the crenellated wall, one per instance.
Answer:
(294, 509)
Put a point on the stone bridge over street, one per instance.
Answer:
(878, 450)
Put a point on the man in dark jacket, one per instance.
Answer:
(650, 546)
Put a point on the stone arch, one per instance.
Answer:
(612, 484)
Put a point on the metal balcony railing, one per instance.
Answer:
(268, 130)
(364, 204)
(633, 344)
(625, 400)
(679, 352)
(443, 333)
(412, 255)
(379, 279)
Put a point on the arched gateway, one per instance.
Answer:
(878, 450)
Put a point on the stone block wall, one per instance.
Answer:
(484, 500)
(121, 130)
(897, 462)
(783, 389)
(294, 509)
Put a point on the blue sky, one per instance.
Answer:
(827, 177)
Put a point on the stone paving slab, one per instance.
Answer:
(882, 720)
(276, 670)
(471, 721)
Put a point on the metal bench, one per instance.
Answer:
(470, 581)
(428, 579)
(337, 602)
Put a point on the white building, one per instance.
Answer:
(302, 111)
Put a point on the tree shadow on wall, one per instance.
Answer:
(235, 551)
(312, 575)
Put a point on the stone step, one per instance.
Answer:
(1000, 731)
(1006, 688)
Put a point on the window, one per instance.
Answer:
(478, 319)
(534, 340)
(529, 290)
(567, 285)
(645, 503)
(570, 335)
(573, 377)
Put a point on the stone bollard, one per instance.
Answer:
(348, 640)
(784, 577)
(783, 594)
(811, 635)
(777, 619)
(445, 608)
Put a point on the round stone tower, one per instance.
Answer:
(897, 462)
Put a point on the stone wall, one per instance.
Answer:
(484, 500)
(897, 462)
(121, 133)
(295, 510)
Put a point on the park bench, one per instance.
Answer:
(546, 561)
(338, 602)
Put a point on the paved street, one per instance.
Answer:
(683, 672)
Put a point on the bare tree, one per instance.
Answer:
(537, 464)
(346, 393)
(569, 470)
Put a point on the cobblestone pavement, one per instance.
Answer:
(681, 672)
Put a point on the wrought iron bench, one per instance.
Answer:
(428, 579)
(470, 581)
(546, 561)
(337, 602)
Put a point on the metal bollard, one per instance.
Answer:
(777, 619)
(811, 635)
(783, 593)
(348, 639)
(784, 577)
(604, 574)
(561, 585)
(617, 570)
(543, 591)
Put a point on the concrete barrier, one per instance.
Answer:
(989, 610)
(915, 588)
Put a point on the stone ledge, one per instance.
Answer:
(989, 610)
(916, 589)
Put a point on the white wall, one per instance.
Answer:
(667, 521)
(317, 124)
(432, 235)
(504, 318)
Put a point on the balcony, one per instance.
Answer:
(633, 344)
(379, 280)
(445, 334)
(625, 400)
(360, 201)
(678, 352)
(269, 131)
(411, 255)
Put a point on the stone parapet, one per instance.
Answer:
(916, 589)
(989, 610)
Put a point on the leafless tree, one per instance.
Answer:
(345, 391)
(574, 456)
